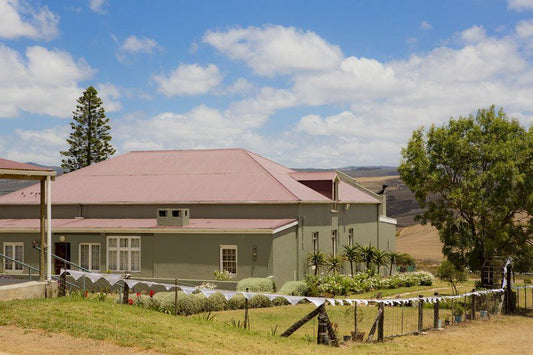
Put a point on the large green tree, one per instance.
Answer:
(90, 139)
(473, 177)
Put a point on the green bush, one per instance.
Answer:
(294, 288)
(259, 301)
(236, 302)
(256, 284)
(216, 302)
(280, 301)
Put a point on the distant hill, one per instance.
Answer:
(7, 186)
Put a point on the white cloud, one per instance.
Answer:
(19, 19)
(41, 146)
(189, 79)
(276, 49)
(109, 94)
(520, 5)
(134, 45)
(43, 82)
(99, 6)
(524, 29)
(425, 26)
(241, 86)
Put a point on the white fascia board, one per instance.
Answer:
(282, 228)
(388, 220)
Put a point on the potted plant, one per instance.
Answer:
(447, 320)
(458, 314)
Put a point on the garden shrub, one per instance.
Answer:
(259, 301)
(216, 302)
(280, 301)
(294, 288)
(256, 284)
(236, 302)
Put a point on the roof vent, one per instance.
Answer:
(173, 217)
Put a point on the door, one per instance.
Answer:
(63, 251)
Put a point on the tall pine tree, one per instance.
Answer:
(90, 140)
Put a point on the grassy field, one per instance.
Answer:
(144, 329)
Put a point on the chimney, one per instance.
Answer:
(173, 217)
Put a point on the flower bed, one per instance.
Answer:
(331, 285)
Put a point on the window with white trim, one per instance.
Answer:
(228, 259)
(350, 237)
(14, 250)
(90, 256)
(124, 253)
(315, 242)
(334, 242)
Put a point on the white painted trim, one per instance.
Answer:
(222, 247)
(118, 249)
(388, 220)
(282, 228)
(91, 255)
(13, 245)
(48, 228)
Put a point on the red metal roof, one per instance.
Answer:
(13, 165)
(212, 176)
(60, 225)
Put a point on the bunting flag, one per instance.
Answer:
(293, 300)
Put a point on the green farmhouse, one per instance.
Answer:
(185, 214)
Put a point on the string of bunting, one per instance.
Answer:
(317, 301)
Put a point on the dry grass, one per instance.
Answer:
(422, 242)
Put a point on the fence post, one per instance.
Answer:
(322, 336)
(381, 321)
(508, 290)
(246, 319)
(473, 305)
(420, 313)
(436, 312)
(62, 284)
(354, 337)
(175, 297)
(126, 291)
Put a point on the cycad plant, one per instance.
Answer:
(367, 254)
(393, 257)
(380, 258)
(352, 254)
(316, 259)
(334, 263)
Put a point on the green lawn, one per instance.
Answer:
(147, 329)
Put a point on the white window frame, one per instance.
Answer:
(334, 235)
(350, 237)
(91, 268)
(221, 261)
(118, 249)
(314, 240)
(12, 245)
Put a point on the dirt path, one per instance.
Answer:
(15, 340)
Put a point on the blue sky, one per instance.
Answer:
(305, 83)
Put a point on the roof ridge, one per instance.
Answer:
(247, 153)
(181, 150)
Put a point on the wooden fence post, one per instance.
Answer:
(473, 306)
(246, 319)
(436, 307)
(354, 336)
(126, 292)
(175, 297)
(508, 291)
(62, 284)
(381, 321)
(420, 313)
(322, 335)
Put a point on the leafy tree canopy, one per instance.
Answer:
(473, 177)
(89, 141)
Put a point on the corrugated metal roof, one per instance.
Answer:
(13, 165)
(203, 176)
(81, 224)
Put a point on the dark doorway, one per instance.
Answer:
(63, 251)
